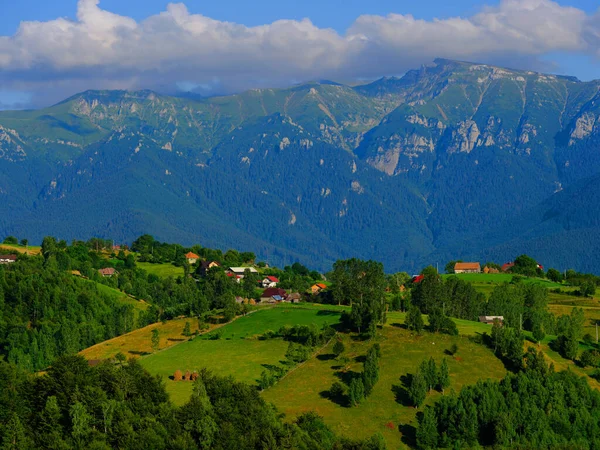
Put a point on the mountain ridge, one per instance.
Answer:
(399, 169)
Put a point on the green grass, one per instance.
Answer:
(121, 297)
(161, 270)
(237, 352)
(499, 278)
(385, 410)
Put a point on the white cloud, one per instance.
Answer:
(104, 50)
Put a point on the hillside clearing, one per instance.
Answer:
(237, 352)
(161, 270)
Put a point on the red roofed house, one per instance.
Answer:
(418, 278)
(191, 258)
(270, 282)
(7, 259)
(467, 267)
(316, 288)
(506, 267)
(107, 272)
(268, 295)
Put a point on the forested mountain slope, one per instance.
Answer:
(454, 159)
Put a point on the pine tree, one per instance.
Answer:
(417, 390)
(427, 433)
(155, 339)
(414, 320)
(371, 370)
(443, 376)
(13, 436)
(356, 391)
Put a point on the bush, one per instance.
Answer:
(590, 358)
(453, 349)
(588, 339)
(336, 390)
(338, 348)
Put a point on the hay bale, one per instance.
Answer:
(187, 375)
(177, 375)
(195, 376)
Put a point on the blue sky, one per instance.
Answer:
(230, 45)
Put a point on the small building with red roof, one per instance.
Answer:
(270, 281)
(191, 257)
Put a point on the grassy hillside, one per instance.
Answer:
(138, 342)
(161, 270)
(386, 410)
(237, 352)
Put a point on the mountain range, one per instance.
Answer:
(454, 160)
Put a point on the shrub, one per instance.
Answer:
(336, 390)
(453, 349)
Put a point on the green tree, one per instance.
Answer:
(554, 275)
(187, 329)
(155, 339)
(443, 380)
(371, 370)
(356, 392)
(338, 348)
(24, 242)
(417, 389)
(360, 284)
(429, 371)
(427, 433)
(11, 240)
(81, 422)
(14, 436)
(538, 332)
(414, 319)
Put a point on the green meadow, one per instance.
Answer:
(237, 351)
(161, 270)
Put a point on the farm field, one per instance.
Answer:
(161, 270)
(138, 342)
(30, 250)
(499, 278)
(237, 352)
(402, 351)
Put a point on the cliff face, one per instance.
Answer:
(393, 170)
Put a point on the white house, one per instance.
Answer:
(270, 282)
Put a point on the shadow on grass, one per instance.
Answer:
(409, 435)
(138, 353)
(400, 325)
(177, 339)
(401, 390)
(326, 312)
(341, 400)
(347, 376)
(326, 357)
(360, 358)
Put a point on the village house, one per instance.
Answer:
(490, 319)
(191, 257)
(467, 267)
(316, 288)
(7, 259)
(270, 281)
(107, 272)
(295, 297)
(205, 266)
(506, 267)
(240, 271)
(273, 295)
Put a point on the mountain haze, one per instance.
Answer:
(454, 160)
